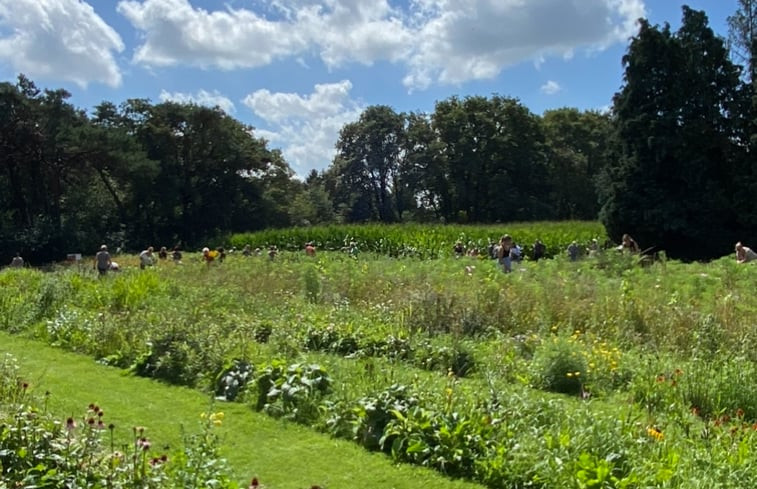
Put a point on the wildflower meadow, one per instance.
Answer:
(605, 372)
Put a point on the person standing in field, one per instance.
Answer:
(309, 248)
(629, 244)
(539, 250)
(744, 254)
(102, 260)
(503, 253)
(145, 258)
(17, 261)
(573, 251)
(458, 249)
(208, 256)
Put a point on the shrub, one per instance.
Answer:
(559, 365)
(294, 392)
(232, 381)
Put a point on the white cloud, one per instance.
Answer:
(439, 41)
(176, 33)
(551, 87)
(202, 97)
(474, 39)
(62, 39)
(305, 127)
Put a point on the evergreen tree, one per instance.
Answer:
(671, 182)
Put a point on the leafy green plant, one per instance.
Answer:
(366, 420)
(293, 392)
(38, 450)
(232, 381)
(559, 366)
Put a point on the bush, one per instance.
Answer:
(559, 366)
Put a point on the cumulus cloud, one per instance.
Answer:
(551, 87)
(439, 41)
(61, 39)
(177, 33)
(475, 39)
(202, 97)
(305, 127)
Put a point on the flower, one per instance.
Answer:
(655, 433)
(70, 424)
(254, 484)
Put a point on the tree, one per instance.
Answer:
(41, 168)
(743, 36)
(424, 170)
(312, 206)
(672, 178)
(367, 164)
(210, 170)
(492, 151)
(577, 152)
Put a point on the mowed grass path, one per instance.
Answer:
(282, 455)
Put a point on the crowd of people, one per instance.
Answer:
(505, 251)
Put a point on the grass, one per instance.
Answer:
(282, 455)
(655, 361)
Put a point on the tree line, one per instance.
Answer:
(672, 162)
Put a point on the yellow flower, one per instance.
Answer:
(569, 374)
(655, 433)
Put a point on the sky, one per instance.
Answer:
(299, 70)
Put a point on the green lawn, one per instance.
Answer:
(282, 455)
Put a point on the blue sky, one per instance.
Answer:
(298, 70)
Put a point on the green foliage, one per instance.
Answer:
(596, 473)
(423, 241)
(293, 392)
(559, 365)
(39, 450)
(677, 147)
(312, 284)
(233, 380)
(436, 360)
(366, 420)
